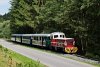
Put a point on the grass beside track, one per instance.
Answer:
(9, 58)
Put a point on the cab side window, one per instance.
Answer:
(62, 36)
(55, 36)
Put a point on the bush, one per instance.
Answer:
(93, 56)
(5, 29)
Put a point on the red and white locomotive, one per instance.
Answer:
(58, 40)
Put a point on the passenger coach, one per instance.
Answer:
(56, 40)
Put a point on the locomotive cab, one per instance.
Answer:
(58, 35)
(58, 40)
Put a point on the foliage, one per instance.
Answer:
(9, 58)
(22, 16)
(5, 29)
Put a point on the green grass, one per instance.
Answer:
(9, 58)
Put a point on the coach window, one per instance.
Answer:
(40, 38)
(34, 38)
(55, 36)
(49, 38)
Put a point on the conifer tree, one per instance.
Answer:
(22, 16)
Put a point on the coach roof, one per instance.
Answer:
(30, 34)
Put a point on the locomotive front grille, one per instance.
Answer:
(71, 49)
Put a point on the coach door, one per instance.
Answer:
(48, 41)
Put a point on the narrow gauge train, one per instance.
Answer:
(54, 40)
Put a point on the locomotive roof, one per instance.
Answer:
(57, 33)
(41, 34)
(64, 38)
(30, 34)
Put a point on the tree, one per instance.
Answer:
(22, 15)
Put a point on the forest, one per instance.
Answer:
(79, 19)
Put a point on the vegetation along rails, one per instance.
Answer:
(9, 58)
